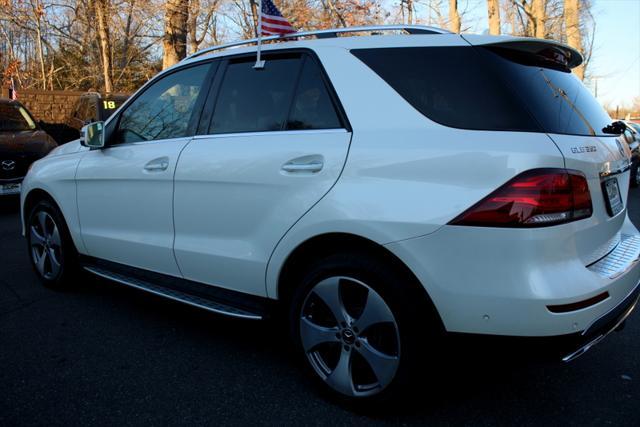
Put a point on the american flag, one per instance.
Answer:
(13, 93)
(271, 20)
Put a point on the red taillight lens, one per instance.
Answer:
(536, 198)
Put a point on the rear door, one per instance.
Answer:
(276, 143)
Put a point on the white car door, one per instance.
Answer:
(277, 143)
(125, 190)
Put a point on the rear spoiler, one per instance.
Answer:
(549, 49)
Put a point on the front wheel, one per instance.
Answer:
(53, 255)
(359, 326)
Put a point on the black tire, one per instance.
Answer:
(60, 264)
(635, 173)
(415, 321)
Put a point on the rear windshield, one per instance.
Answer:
(488, 89)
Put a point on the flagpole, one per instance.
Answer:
(259, 63)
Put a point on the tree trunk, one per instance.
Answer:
(102, 11)
(41, 55)
(454, 16)
(174, 41)
(572, 30)
(409, 12)
(254, 15)
(538, 10)
(493, 7)
(124, 58)
(192, 24)
(332, 7)
(37, 15)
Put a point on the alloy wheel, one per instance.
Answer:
(350, 336)
(46, 245)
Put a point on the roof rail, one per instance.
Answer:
(331, 33)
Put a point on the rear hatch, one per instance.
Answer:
(538, 74)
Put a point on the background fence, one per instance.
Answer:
(51, 108)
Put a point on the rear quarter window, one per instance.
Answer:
(447, 85)
(489, 88)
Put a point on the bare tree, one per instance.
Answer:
(38, 12)
(201, 19)
(454, 16)
(572, 30)
(127, 34)
(119, 44)
(408, 6)
(531, 17)
(174, 41)
(493, 7)
(539, 14)
(330, 7)
(102, 13)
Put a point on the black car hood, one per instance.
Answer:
(26, 143)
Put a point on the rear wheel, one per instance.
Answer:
(53, 255)
(359, 326)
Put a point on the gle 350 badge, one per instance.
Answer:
(585, 149)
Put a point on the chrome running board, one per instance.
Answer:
(174, 294)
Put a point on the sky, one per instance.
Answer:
(615, 62)
(616, 59)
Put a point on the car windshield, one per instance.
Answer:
(15, 118)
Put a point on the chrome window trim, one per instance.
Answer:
(271, 132)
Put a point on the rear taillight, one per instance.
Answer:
(536, 198)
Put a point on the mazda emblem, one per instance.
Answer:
(8, 165)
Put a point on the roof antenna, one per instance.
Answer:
(259, 65)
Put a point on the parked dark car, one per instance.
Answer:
(22, 142)
(94, 107)
(632, 137)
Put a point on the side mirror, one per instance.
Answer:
(92, 135)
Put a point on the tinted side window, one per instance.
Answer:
(312, 105)
(449, 85)
(164, 109)
(255, 100)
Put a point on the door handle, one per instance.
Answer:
(314, 166)
(157, 165)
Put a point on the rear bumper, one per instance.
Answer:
(604, 325)
(522, 283)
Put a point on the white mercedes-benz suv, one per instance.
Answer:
(380, 190)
